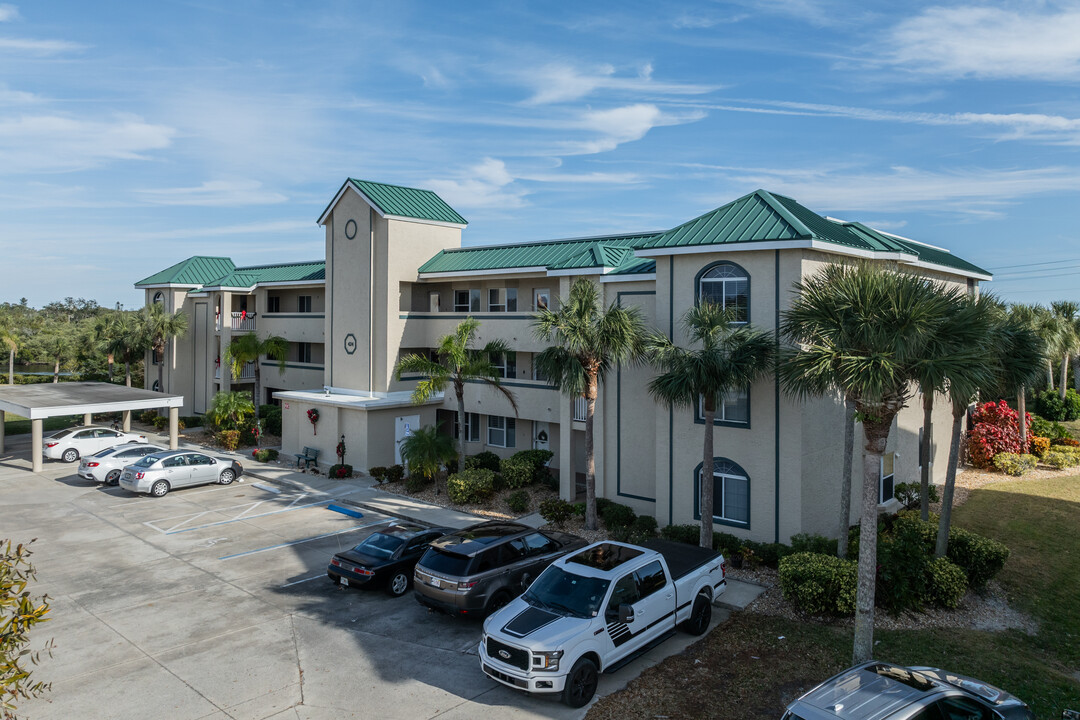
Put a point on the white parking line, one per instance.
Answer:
(297, 582)
(304, 540)
(244, 513)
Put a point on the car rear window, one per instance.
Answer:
(379, 545)
(107, 452)
(148, 460)
(61, 434)
(446, 563)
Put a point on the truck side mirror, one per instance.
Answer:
(626, 614)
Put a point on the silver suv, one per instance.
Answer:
(160, 472)
(477, 570)
(883, 691)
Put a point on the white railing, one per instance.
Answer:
(581, 407)
(243, 321)
(247, 372)
(217, 373)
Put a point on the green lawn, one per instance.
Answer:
(18, 425)
(744, 671)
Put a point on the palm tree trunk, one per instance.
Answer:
(110, 360)
(1021, 412)
(924, 487)
(161, 371)
(950, 485)
(876, 434)
(11, 367)
(590, 456)
(258, 397)
(459, 392)
(706, 538)
(56, 371)
(1049, 374)
(1076, 372)
(845, 481)
(127, 373)
(1064, 376)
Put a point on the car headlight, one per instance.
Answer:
(548, 661)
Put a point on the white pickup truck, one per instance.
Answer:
(595, 610)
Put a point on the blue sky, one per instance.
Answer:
(135, 134)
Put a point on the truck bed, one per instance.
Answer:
(682, 559)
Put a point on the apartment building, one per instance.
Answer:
(396, 278)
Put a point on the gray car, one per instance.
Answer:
(478, 570)
(883, 691)
(158, 473)
(105, 466)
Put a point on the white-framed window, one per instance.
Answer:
(303, 304)
(505, 364)
(156, 357)
(734, 407)
(541, 299)
(501, 431)
(467, 300)
(885, 477)
(472, 427)
(159, 298)
(537, 373)
(731, 493)
(303, 352)
(273, 303)
(502, 299)
(727, 285)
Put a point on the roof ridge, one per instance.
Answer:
(393, 185)
(588, 238)
(277, 265)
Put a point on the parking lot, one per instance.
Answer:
(213, 602)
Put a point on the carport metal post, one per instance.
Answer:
(127, 421)
(174, 428)
(36, 427)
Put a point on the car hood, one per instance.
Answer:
(533, 627)
(1005, 702)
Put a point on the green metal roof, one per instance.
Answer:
(245, 277)
(607, 251)
(925, 253)
(408, 202)
(752, 218)
(193, 271)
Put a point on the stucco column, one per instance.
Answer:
(36, 426)
(567, 483)
(225, 338)
(1, 431)
(87, 419)
(126, 420)
(174, 428)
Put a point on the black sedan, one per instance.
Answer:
(386, 558)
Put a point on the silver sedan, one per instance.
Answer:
(105, 466)
(158, 473)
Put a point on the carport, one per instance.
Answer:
(44, 400)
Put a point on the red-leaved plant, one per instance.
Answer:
(995, 429)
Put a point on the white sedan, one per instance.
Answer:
(105, 466)
(71, 444)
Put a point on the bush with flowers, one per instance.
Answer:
(994, 431)
(1040, 446)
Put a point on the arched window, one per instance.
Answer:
(157, 386)
(159, 297)
(727, 285)
(731, 493)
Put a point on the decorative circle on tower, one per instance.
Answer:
(350, 344)
(350, 229)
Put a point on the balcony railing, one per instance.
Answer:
(242, 321)
(581, 407)
(246, 373)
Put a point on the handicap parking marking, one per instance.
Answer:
(235, 513)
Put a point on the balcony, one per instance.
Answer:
(423, 329)
(242, 321)
(294, 327)
(581, 409)
(246, 373)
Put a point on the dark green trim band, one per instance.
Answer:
(776, 404)
(298, 366)
(618, 413)
(481, 382)
(462, 316)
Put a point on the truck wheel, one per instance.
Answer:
(580, 683)
(700, 616)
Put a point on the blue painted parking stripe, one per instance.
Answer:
(303, 540)
(345, 511)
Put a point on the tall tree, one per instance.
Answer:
(1031, 318)
(862, 329)
(458, 363)
(10, 338)
(59, 345)
(248, 348)
(1066, 311)
(587, 340)
(159, 328)
(106, 330)
(726, 357)
(130, 342)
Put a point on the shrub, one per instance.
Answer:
(159, 422)
(1013, 464)
(537, 460)
(247, 431)
(271, 419)
(337, 470)
(378, 473)
(1039, 446)
(578, 509)
(1060, 460)
(645, 524)
(471, 486)
(395, 473)
(266, 455)
(1049, 405)
(1072, 405)
(516, 472)
(417, 482)
(1047, 428)
(147, 416)
(946, 583)
(724, 542)
(909, 494)
(1065, 442)
(688, 534)
(229, 439)
(617, 516)
(191, 421)
(994, 430)
(902, 556)
(813, 543)
(518, 501)
(980, 557)
(486, 460)
(819, 584)
(556, 511)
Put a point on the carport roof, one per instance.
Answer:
(78, 398)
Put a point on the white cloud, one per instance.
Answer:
(484, 185)
(1039, 41)
(214, 193)
(51, 143)
(561, 83)
(8, 12)
(598, 178)
(620, 125)
(38, 47)
(700, 20)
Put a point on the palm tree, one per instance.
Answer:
(426, 450)
(729, 357)
(105, 333)
(588, 340)
(59, 347)
(228, 409)
(9, 338)
(1012, 357)
(160, 327)
(248, 348)
(458, 364)
(955, 348)
(862, 329)
(1066, 313)
(1032, 319)
(130, 342)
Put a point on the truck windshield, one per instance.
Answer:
(560, 591)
